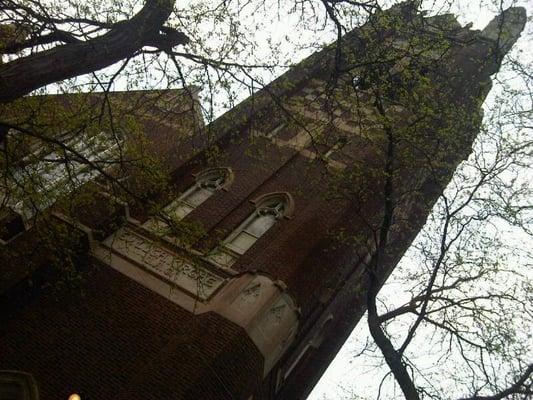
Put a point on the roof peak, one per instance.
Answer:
(505, 29)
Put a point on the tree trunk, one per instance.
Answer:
(21, 76)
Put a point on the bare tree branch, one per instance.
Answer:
(28, 73)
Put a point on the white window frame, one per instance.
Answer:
(200, 184)
(227, 254)
(172, 210)
(260, 211)
(57, 179)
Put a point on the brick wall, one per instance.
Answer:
(116, 339)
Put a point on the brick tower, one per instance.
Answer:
(288, 190)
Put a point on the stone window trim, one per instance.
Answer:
(272, 132)
(288, 200)
(212, 179)
(269, 209)
(276, 130)
(278, 205)
(207, 182)
(226, 172)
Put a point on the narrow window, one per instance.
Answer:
(339, 144)
(256, 226)
(207, 183)
(274, 132)
(269, 209)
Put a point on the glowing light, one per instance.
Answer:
(74, 396)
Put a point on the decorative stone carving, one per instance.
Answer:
(252, 300)
(265, 310)
(194, 279)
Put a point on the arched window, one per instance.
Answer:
(207, 183)
(256, 225)
(269, 209)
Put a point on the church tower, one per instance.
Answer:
(250, 273)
